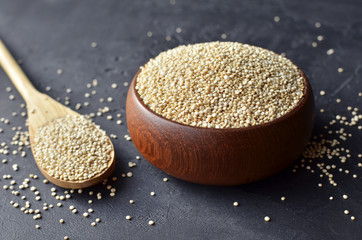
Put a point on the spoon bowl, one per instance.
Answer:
(213, 156)
(42, 110)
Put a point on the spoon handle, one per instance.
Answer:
(16, 75)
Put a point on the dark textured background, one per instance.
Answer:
(53, 34)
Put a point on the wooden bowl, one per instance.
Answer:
(220, 156)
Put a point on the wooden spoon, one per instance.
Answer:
(42, 109)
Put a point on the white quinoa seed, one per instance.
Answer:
(266, 218)
(330, 51)
(236, 204)
(151, 223)
(128, 217)
(247, 86)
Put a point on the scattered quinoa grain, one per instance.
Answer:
(330, 51)
(266, 218)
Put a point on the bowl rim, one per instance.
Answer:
(307, 93)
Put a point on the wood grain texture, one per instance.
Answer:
(220, 156)
(42, 109)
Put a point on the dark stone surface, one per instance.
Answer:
(53, 34)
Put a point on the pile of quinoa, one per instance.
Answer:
(72, 148)
(220, 85)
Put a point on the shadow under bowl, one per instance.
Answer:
(212, 156)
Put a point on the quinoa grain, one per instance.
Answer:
(220, 85)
